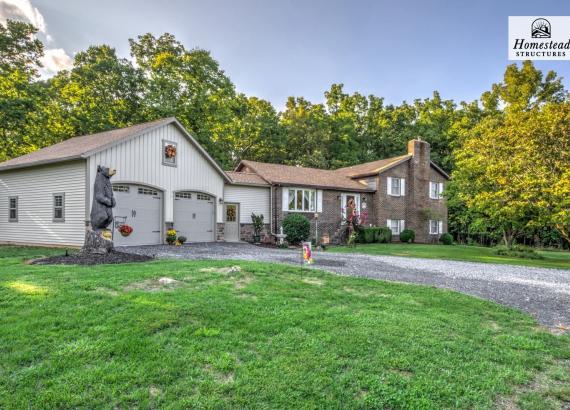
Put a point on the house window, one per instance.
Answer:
(395, 225)
(58, 207)
(302, 200)
(396, 186)
(13, 209)
(435, 190)
(169, 153)
(435, 227)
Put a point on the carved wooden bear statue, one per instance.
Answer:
(103, 201)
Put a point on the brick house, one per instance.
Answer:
(400, 192)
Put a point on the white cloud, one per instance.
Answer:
(22, 10)
(54, 59)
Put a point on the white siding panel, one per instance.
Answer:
(251, 199)
(34, 188)
(139, 160)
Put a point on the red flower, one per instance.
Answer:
(125, 230)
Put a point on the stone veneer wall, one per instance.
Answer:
(220, 231)
(246, 233)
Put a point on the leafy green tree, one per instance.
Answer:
(20, 94)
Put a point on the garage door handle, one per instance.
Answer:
(209, 230)
(155, 231)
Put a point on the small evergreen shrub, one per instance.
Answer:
(517, 251)
(407, 235)
(297, 228)
(446, 239)
(369, 234)
(384, 235)
(182, 239)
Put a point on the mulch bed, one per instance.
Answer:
(79, 258)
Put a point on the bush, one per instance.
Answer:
(517, 251)
(182, 239)
(384, 235)
(297, 228)
(446, 239)
(369, 234)
(407, 235)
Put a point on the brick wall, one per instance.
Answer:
(330, 219)
(416, 207)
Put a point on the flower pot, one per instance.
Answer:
(256, 238)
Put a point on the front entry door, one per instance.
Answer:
(231, 228)
(349, 200)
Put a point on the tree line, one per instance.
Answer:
(508, 152)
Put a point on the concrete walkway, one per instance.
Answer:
(542, 292)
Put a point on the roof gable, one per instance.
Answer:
(374, 167)
(87, 145)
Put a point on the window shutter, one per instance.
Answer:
(389, 223)
(285, 202)
(440, 189)
(431, 190)
(402, 187)
(402, 225)
(389, 185)
(440, 226)
(319, 200)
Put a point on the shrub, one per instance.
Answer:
(369, 234)
(182, 239)
(297, 228)
(384, 235)
(407, 235)
(517, 251)
(446, 239)
(257, 221)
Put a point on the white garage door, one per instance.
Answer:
(194, 216)
(141, 207)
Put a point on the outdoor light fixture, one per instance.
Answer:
(221, 201)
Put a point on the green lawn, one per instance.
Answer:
(552, 259)
(269, 336)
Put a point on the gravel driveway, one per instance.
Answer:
(542, 292)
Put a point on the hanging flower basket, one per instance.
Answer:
(125, 230)
(170, 151)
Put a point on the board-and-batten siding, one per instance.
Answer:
(34, 188)
(139, 161)
(251, 200)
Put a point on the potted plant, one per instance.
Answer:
(257, 221)
(125, 230)
(182, 239)
(171, 236)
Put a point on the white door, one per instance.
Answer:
(141, 208)
(231, 222)
(194, 216)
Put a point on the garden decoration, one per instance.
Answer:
(307, 253)
(97, 239)
(280, 236)
(170, 151)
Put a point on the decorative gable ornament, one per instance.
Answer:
(170, 151)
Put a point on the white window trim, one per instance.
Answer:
(62, 218)
(439, 191)
(439, 229)
(401, 225)
(343, 201)
(312, 204)
(16, 208)
(402, 187)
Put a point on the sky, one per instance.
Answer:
(399, 49)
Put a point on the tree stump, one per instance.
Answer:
(95, 243)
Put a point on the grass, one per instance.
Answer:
(268, 336)
(552, 259)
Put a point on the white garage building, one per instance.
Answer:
(164, 179)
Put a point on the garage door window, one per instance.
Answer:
(203, 197)
(147, 191)
(121, 188)
(185, 195)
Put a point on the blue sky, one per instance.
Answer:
(399, 50)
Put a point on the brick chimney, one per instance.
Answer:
(420, 151)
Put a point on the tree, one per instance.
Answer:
(20, 94)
